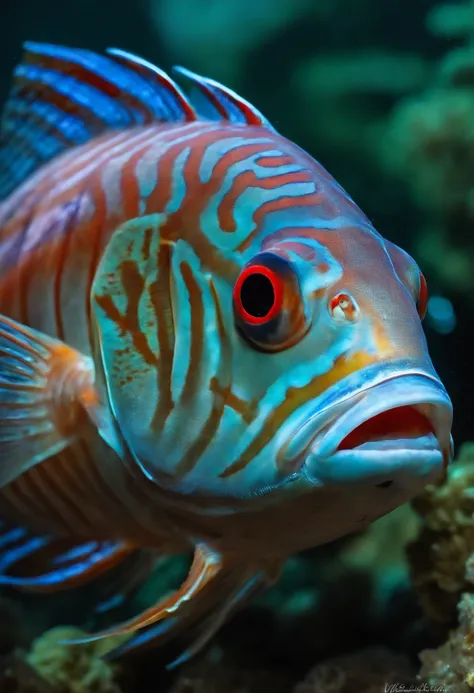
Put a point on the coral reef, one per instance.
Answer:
(451, 666)
(442, 557)
(333, 599)
(73, 668)
(442, 561)
(327, 77)
(366, 671)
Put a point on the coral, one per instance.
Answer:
(442, 557)
(451, 666)
(443, 572)
(372, 670)
(73, 668)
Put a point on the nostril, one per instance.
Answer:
(343, 307)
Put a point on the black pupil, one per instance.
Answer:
(257, 295)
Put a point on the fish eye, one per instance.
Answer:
(422, 302)
(268, 306)
(258, 294)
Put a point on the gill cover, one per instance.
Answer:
(151, 305)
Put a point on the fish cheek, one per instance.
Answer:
(126, 327)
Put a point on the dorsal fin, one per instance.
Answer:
(164, 84)
(62, 97)
(222, 103)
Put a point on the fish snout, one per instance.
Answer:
(398, 428)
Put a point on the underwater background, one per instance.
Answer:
(382, 94)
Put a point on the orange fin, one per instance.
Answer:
(205, 566)
(214, 589)
(236, 586)
(43, 387)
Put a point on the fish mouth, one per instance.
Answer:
(399, 426)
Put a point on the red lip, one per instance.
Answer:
(400, 422)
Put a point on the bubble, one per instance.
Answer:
(440, 315)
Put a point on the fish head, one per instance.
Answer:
(240, 366)
(355, 401)
(352, 418)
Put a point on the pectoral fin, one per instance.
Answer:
(45, 388)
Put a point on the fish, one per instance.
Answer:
(206, 347)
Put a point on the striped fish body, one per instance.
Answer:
(204, 343)
(53, 233)
(54, 230)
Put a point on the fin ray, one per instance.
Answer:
(33, 369)
(63, 97)
(42, 563)
(222, 102)
(241, 589)
(206, 565)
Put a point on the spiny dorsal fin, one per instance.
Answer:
(168, 89)
(62, 97)
(224, 103)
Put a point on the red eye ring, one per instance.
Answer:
(276, 287)
(422, 303)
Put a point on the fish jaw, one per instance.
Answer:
(396, 430)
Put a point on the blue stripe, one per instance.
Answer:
(76, 552)
(8, 558)
(12, 536)
(55, 577)
(109, 604)
(125, 80)
(70, 127)
(35, 129)
(102, 107)
(145, 637)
